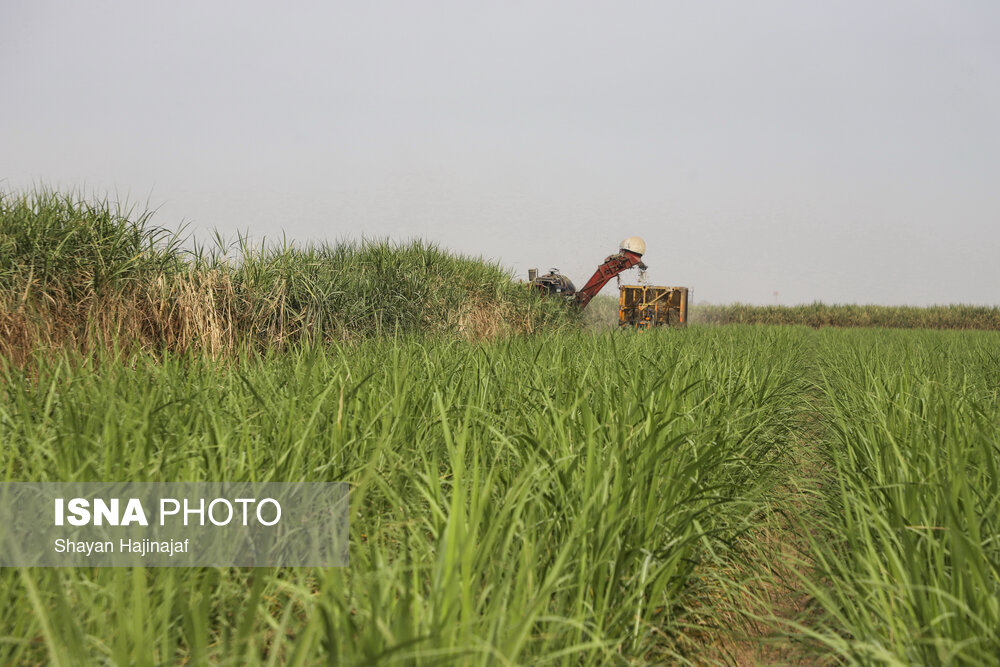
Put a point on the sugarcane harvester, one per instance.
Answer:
(640, 306)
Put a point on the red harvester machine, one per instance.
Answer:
(640, 306)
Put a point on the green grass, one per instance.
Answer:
(558, 498)
(569, 497)
(601, 314)
(89, 274)
(957, 316)
(61, 245)
(908, 539)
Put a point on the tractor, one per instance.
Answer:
(639, 306)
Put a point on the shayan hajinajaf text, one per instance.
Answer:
(126, 546)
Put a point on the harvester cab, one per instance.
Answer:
(640, 306)
(552, 282)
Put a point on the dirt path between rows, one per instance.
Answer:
(773, 602)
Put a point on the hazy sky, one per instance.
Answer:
(842, 151)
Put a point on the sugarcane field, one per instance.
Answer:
(513, 334)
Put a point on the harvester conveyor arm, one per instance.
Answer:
(611, 267)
